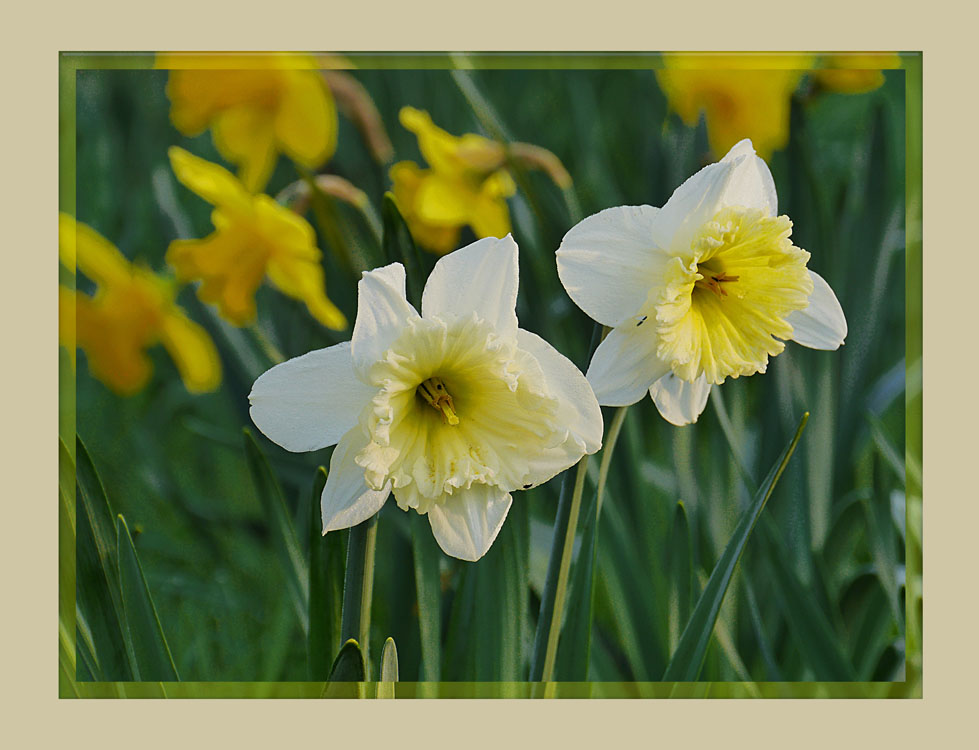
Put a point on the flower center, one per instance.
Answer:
(490, 429)
(436, 395)
(723, 307)
(713, 279)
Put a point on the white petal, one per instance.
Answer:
(693, 204)
(466, 523)
(309, 402)
(822, 325)
(608, 262)
(482, 278)
(580, 411)
(346, 499)
(678, 401)
(625, 364)
(382, 311)
(750, 184)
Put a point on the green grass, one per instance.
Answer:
(220, 539)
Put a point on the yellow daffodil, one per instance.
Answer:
(132, 309)
(464, 184)
(706, 288)
(741, 96)
(451, 410)
(254, 237)
(257, 106)
(856, 73)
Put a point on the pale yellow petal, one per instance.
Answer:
(443, 201)
(115, 356)
(229, 265)
(245, 135)
(284, 230)
(303, 279)
(306, 120)
(212, 182)
(192, 351)
(406, 176)
(740, 97)
(66, 320)
(490, 216)
(437, 146)
(95, 256)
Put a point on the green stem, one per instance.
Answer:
(265, 343)
(615, 427)
(610, 439)
(367, 595)
(373, 221)
(560, 590)
(565, 521)
(727, 429)
(328, 222)
(358, 585)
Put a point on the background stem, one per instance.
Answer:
(560, 589)
(358, 585)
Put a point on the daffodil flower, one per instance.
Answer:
(855, 73)
(706, 288)
(740, 96)
(465, 184)
(451, 410)
(132, 309)
(254, 237)
(256, 106)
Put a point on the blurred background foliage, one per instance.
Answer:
(820, 592)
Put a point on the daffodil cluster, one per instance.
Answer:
(454, 407)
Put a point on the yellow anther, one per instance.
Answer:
(712, 280)
(437, 396)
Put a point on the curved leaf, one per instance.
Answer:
(389, 669)
(151, 654)
(689, 655)
(282, 531)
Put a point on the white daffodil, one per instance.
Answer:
(450, 410)
(706, 288)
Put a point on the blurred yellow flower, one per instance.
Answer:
(741, 96)
(465, 183)
(855, 74)
(256, 106)
(254, 237)
(132, 309)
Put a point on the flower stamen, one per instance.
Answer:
(436, 395)
(713, 281)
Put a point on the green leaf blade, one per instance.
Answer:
(399, 246)
(688, 658)
(426, 555)
(680, 567)
(151, 653)
(98, 603)
(326, 564)
(389, 669)
(347, 673)
(280, 521)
